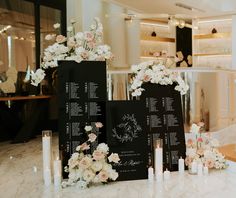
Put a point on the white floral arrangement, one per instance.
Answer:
(95, 168)
(78, 47)
(203, 148)
(155, 72)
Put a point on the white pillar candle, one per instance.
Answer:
(158, 157)
(166, 174)
(46, 144)
(205, 170)
(193, 167)
(150, 174)
(57, 172)
(199, 169)
(181, 165)
(159, 177)
(47, 176)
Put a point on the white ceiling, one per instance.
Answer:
(203, 8)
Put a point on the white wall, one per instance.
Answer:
(122, 36)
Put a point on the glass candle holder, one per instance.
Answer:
(192, 168)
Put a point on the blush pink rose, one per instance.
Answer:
(89, 36)
(84, 55)
(209, 163)
(190, 142)
(103, 176)
(98, 124)
(92, 137)
(60, 39)
(188, 161)
(85, 162)
(200, 152)
(84, 146)
(91, 44)
(199, 139)
(146, 78)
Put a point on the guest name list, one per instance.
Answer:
(164, 120)
(82, 93)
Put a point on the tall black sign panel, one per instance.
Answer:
(164, 120)
(82, 100)
(127, 136)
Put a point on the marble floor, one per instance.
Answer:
(21, 177)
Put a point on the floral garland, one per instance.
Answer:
(155, 72)
(77, 47)
(203, 148)
(86, 169)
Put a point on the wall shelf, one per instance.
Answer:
(177, 69)
(212, 54)
(157, 38)
(156, 57)
(213, 36)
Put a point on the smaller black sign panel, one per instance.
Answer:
(127, 136)
(164, 120)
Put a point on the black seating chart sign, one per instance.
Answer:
(127, 136)
(164, 120)
(82, 100)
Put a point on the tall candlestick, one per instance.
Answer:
(158, 157)
(181, 165)
(46, 144)
(57, 172)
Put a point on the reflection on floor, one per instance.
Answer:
(18, 178)
(21, 169)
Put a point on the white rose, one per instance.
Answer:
(103, 148)
(194, 129)
(88, 128)
(97, 166)
(114, 157)
(82, 184)
(215, 143)
(113, 174)
(107, 167)
(88, 175)
(56, 25)
(49, 37)
(191, 152)
(69, 29)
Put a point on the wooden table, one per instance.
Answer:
(229, 151)
(24, 97)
